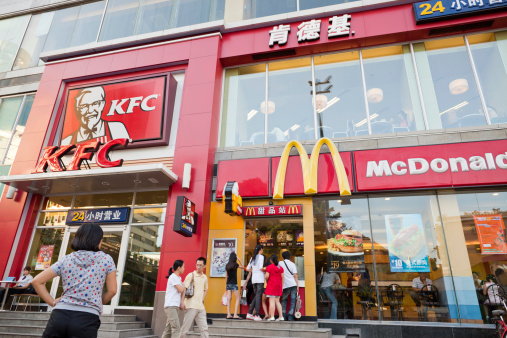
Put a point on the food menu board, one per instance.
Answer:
(491, 232)
(45, 256)
(220, 252)
(266, 238)
(285, 238)
(300, 239)
(406, 243)
(345, 250)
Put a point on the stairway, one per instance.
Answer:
(227, 328)
(32, 325)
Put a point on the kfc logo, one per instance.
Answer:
(132, 110)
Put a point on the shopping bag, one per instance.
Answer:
(243, 301)
(224, 299)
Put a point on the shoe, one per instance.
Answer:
(281, 319)
(249, 316)
(257, 319)
(272, 319)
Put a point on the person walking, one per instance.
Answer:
(174, 296)
(83, 273)
(290, 285)
(275, 279)
(231, 284)
(195, 304)
(256, 265)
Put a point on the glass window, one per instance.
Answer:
(243, 117)
(56, 202)
(306, 4)
(9, 109)
(35, 37)
(11, 34)
(62, 28)
(191, 12)
(489, 52)
(87, 24)
(448, 84)
(391, 90)
(152, 197)
(51, 237)
(339, 95)
(141, 267)
(148, 215)
(19, 129)
(290, 110)
(104, 200)
(478, 246)
(260, 8)
(119, 20)
(52, 218)
(154, 15)
(344, 259)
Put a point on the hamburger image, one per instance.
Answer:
(408, 242)
(349, 241)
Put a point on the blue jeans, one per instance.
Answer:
(332, 298)
(292, 292)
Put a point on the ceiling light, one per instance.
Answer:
(105, 183)
(137, 181)
(462, 104)
(329, 104)
(458, 86)
(495, 194)
(32, 188)
(153, 180)
(271, 107)
(251, 114)
(360, 123)
(320, 101)
(388, 198)
(375, 95)
(294, 127)
(339, 201)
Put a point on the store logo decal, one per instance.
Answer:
(418, 166)
(117, 105)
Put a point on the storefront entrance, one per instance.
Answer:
(115, 244)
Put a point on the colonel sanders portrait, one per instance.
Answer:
(88, 106)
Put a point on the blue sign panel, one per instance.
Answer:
(444, 9)
(98, 216)
(186, 229)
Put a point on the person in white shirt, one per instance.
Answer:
(256, 265)
(417, 284)
(290, 285)
(174, 296)
(24, 283)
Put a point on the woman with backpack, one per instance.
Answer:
(275, 278)
(256, 265)
(231, 284)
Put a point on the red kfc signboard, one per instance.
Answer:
(134, 110)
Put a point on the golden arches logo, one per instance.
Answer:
(310, 168)
(293, 209)
(250, 211)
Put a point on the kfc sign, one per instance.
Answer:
(134, 110)
(52, 156)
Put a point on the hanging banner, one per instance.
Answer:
(45, 256)
(220, 252)
(406, 243)
(491, 231)
(345, 252)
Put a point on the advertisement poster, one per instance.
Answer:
(345, 250)
(45, 256)
(300, 239)
(406, 243)
(491, 231)
(285, 238)
(129, 109)
(266, 238)
(222, 249)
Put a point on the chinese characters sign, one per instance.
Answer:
(273, 210)
(220, 252)
(406, 243)
(101, 216)
(443, 9)
(491, 231)
(310, 30)
(45, 256)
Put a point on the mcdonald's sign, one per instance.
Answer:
(310, 167)
(273, 210)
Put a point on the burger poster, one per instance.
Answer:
(300, 238)
(45, 256)
(266, 238)
(345, 250)
(491, 232)
(406, 243)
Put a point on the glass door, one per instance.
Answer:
(114, 244)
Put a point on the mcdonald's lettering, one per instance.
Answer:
(274, 210)
(310, 167)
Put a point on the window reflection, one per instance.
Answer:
(260, 8)
(11, 34)
(148, 215)
(61, 29)
(87, 24)
(154, 15)
(9, 109)
(119, 20)
(19, 129)
(104, 200)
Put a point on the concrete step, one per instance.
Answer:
(293, 325)
(45, 316)
(125, 333)
(268, 331)
(42, 323)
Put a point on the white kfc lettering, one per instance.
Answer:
(412, 166)
(138, 101)
(379, 169)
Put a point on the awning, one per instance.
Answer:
(145, 176)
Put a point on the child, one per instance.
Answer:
(275, 278)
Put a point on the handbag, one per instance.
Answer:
(189, 292)
(224, 299)
(243, 300)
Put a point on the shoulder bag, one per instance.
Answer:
(288, 268)
(189, 293)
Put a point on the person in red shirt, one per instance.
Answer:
(274, 277)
